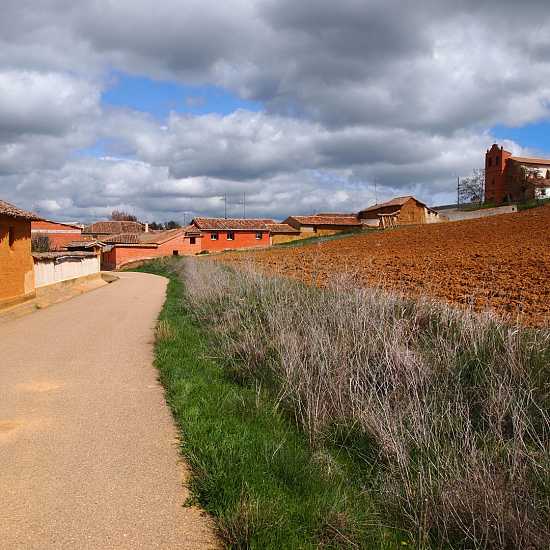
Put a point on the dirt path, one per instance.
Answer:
(88, 449)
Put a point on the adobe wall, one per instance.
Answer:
(411, 213)
(282, 238)
(16, 264)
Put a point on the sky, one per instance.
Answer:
(164, 108)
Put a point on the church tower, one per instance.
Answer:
(495, 177)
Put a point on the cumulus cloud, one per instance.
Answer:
(355, 94)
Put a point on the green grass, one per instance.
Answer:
(252, 467)
(533, 204)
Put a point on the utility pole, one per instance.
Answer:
(375, 192)
(225, 206)
(244, 205)
(458, 191)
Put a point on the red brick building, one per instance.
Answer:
(59, 234)
(515, 179)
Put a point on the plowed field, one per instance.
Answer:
(501, 262)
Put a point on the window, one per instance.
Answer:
(230, 235)
(11, 236)
(213, 236)
(192, 240)
(489, 161)
(175, 253)
(497, 160)
(259, 236)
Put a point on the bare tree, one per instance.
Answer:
(121, 216)
(471, 188)
(40, 242)
(524, 179)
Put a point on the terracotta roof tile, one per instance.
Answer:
(222, 224)
(114, 227)
(325, 220)
(281, 228)
(12, 211)
(122, 238)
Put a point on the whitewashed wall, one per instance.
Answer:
(48, 271)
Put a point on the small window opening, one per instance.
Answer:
(192, 240)
(11, 236)
(259, 236)
(489, 161)
(497, 160)
(213, 236)
(175, 253)
(230, 235)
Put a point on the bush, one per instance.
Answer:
(449, 408)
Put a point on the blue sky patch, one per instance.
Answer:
(160, 97)
(535, 136)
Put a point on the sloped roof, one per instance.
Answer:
(8, 209)
(114, 227)
(281, 228)
(84, 243)
(397, 201)
(529, 160)
(146, 239)
(71, 225)
(222, 224)
(317, 219)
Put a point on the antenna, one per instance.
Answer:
(225, 206)
(244, 205)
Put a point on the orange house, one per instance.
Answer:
(59, 234)
(16, 263)
(219, 234)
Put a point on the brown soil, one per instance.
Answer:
(501, 262)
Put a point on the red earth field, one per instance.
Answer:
(501, 262)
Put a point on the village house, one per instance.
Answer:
(515, 179)
(218, 234)
(323, 224)
(399, 211)
(58, 233)
(16, 263)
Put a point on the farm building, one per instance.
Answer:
(126, 248)
(218, 234)
(106, 228)
(16, 263)
(282, 233)
(399, 211)
(59, 234)
(323, 224)
(515, 179)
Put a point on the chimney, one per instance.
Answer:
(146, 227)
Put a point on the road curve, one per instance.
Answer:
(88, 448)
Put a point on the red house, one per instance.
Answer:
(218, 234)
(58, 233)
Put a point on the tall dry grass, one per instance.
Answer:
(452, 407)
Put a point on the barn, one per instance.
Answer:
(399, 211)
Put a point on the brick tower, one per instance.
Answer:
(495, 177)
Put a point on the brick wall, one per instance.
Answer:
(495, 179)
(16, 264)
(58, 233)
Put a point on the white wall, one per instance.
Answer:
(49, 271)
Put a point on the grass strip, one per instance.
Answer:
(252, 468)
